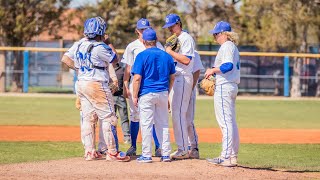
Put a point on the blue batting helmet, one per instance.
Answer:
(94, 26)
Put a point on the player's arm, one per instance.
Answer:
(113, 75)
(68, 61)
(178, 57)
(136, 86)
(126, 78)
(195, 78)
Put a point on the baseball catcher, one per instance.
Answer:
(173, 42)
(208, 85)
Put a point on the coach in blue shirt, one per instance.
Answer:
(153, 77)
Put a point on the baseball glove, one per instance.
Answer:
(113, 88)
(208, 85)
(173, 42)
(78, 103)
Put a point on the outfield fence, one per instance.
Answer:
(268, 73)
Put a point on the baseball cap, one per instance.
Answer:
(221, 26)
(149, 35)
(143, 23)
(171, 20)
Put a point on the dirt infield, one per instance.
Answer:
(77, 168)
(210, 135)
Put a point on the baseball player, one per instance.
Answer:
(92, 59)
(129, 56)
(227, 72)
(182, 87)
(192, 133)
(68, 59)
(153, 72)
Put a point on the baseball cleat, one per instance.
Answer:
(143, 159)
(221, 162)
(194, 154)
(234, 161)
(157, 152)
(179, 155)
(101, 155)
(90, 155)
(132, 151)
(165, 159)
(119, 156)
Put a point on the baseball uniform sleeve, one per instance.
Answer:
(128, 57)
(197, 62)
(106, 54)
(159, 45)
(187, 47)
(71, 51)
(228, 53)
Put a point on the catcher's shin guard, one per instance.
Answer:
(110, 134)
(88, 128)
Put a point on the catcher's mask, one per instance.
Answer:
(94, 26)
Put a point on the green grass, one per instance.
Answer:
(50, 90)
(250, 113)
(300, 157)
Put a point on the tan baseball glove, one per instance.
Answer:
(208, 85)
(78, 103)
(173, 42)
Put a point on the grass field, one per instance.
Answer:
(250, 113)
(301, 157)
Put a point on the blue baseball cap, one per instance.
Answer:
(143, 24)
(171, 20)
(149, 35)
(221, 27)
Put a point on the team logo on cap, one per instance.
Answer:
(144, 23)
(167, 20)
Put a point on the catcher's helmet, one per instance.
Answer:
(94, 26)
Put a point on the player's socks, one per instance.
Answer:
(156, 141)
(134, 130)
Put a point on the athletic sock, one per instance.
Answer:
(134, 130)
(156, 141)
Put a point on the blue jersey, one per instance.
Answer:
(155, 66)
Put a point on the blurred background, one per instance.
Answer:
(282, 26)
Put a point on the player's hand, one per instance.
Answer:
(168, 49)
(116, 83)
(209, 72)
(135, 101)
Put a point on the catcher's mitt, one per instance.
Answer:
(78, 103)
(113, 88)
(208, 85)
(173, 42)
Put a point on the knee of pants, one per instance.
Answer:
(89, 123)
(113, 120)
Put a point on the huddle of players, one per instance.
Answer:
(91, 88)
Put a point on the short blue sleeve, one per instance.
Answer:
(137, 67)
(226, 67)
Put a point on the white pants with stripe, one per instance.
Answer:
(179, 100)
(97, 103)
(192, 133)
(224, 105)
(153, 108)
(134, 112)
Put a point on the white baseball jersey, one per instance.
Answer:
(228, 52)
(71, 51)
(197, 65)
(187, 48)
(133, 49)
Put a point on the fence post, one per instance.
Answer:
(25, 71)
(286, 74)
(2, 72)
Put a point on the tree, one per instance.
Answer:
(24, 19)
(281, 25)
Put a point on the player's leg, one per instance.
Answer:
(88, 122)
(192, 133)
(104, 107)
(134, 125)
(121, 105)
(235, 139)
(222, 106)
(180, 100)
(146, 109)
(156, 142)
(162, 125)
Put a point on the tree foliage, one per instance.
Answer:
(25, 19)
